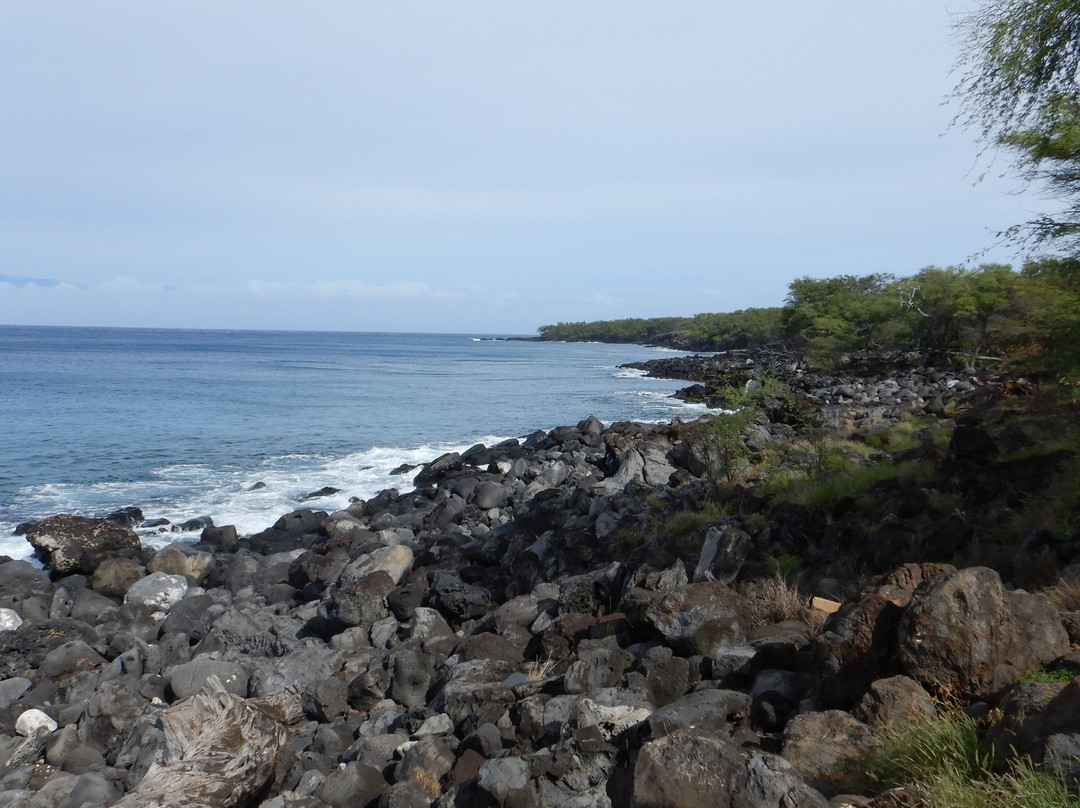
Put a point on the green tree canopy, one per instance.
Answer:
(1020, 88)
(957, 309)
(841, 314)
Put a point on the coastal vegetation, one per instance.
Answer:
(968, 315)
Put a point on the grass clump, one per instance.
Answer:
(946, 760)
(824, 492)
(776, 600)
(1065, 595)
(1047, 677)
(687, 523)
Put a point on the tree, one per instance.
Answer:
(1020, 88)
(1050, 299)
(841, 314)
(956, 309)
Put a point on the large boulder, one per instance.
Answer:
(965, 635)
(695, 767)
(631, 470)
(700, 618)
(395, 560)
(437, 469)
(157, 592)
(181, 558)
(723, 553)
(860, 643)
(69, 544)
(895, 702)
(114, 576)
(825, 747)
(704, 708)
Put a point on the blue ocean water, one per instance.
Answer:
(182, 423)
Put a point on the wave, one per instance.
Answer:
(251, 499)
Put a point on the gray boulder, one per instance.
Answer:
(723, 554)
(361, 601)
(157, 592)
(700, 618)
(437, 469)
(705, 708)
(458, 599)
(693, 767)
(489, 495)
(189, 678)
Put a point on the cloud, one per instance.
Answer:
(19, 281)
(401, 290)
(320, 304)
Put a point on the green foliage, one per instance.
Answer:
(936, 311)
(819, 454)
(688, 523)
(1049, 306)
(633, 329)
(747, 328)
(1055, 508)
(783, 565)
(1047, 677)
(1019, 89)
(723, 438)
(946, 760)
(925, 750)
(982, 314)
(821, 470)
(841, 314)
(957, 309)
(826, 492)
(628, 536)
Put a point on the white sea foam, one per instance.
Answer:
(186, 491)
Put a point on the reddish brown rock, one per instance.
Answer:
(858, 647)
(965, 635)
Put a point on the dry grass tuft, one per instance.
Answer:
(1065, 595)
(542, 669)
(429, 782)
(775, 600)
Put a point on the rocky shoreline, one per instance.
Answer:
(533, 625)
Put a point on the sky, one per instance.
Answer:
(477, 166)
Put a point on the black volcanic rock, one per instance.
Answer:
(531, 626)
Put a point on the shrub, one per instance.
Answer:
(687, 523)
(945, 759)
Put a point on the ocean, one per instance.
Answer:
(184, 423)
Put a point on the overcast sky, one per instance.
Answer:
(473, 166)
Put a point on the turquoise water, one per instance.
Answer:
(181, 423)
